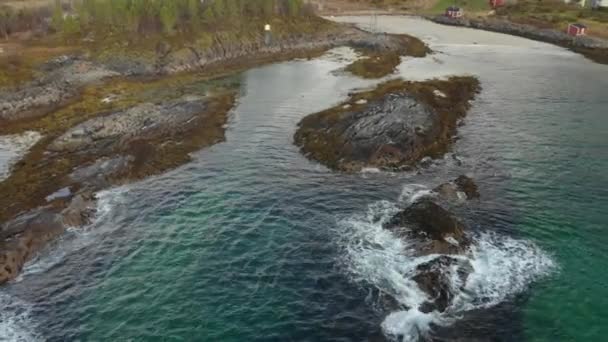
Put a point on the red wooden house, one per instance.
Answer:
(453, 12)
(497, 3)
(577, 30)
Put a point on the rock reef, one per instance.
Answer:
(432, 230)
(390, 127)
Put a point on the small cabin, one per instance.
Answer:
(577, 30)
(497, 3)
(453, 12)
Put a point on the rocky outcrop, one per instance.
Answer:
(461, 189)
(438, 279)
(433, 229)
(390, 127)
(23, 237)
(595, 49)
(64, 76)
(143, 121)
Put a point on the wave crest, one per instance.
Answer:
(503, 266)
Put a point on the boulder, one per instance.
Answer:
(435, 229)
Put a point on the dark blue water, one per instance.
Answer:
(252, 241)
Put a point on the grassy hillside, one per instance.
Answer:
(467, 5)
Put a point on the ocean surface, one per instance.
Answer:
(253, 242)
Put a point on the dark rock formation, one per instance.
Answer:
(27, 234)
(462, 188)
(435, 230)
(436, 277)
(391, 127)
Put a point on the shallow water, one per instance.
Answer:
(251, 241)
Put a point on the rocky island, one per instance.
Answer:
(390, 127)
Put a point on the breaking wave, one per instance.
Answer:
(77, 238)
(502, 267)
(15, 322)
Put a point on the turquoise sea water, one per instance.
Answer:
(251, 241)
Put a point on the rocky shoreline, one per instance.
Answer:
(390, 127)
(93, 139)
(63, 77)
(593, 48)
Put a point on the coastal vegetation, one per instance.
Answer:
(376, 63)
(83, 17)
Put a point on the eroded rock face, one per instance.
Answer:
(438, 279)
(461, 189)
(435, 229)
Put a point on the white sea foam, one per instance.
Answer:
(502, 267)
(15, 321)
(76, 238)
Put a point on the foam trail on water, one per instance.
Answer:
(76, 238)
(502, 267)
(15, 322)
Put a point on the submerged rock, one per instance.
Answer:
(460, 189)
(390, 127)
(435, 230)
